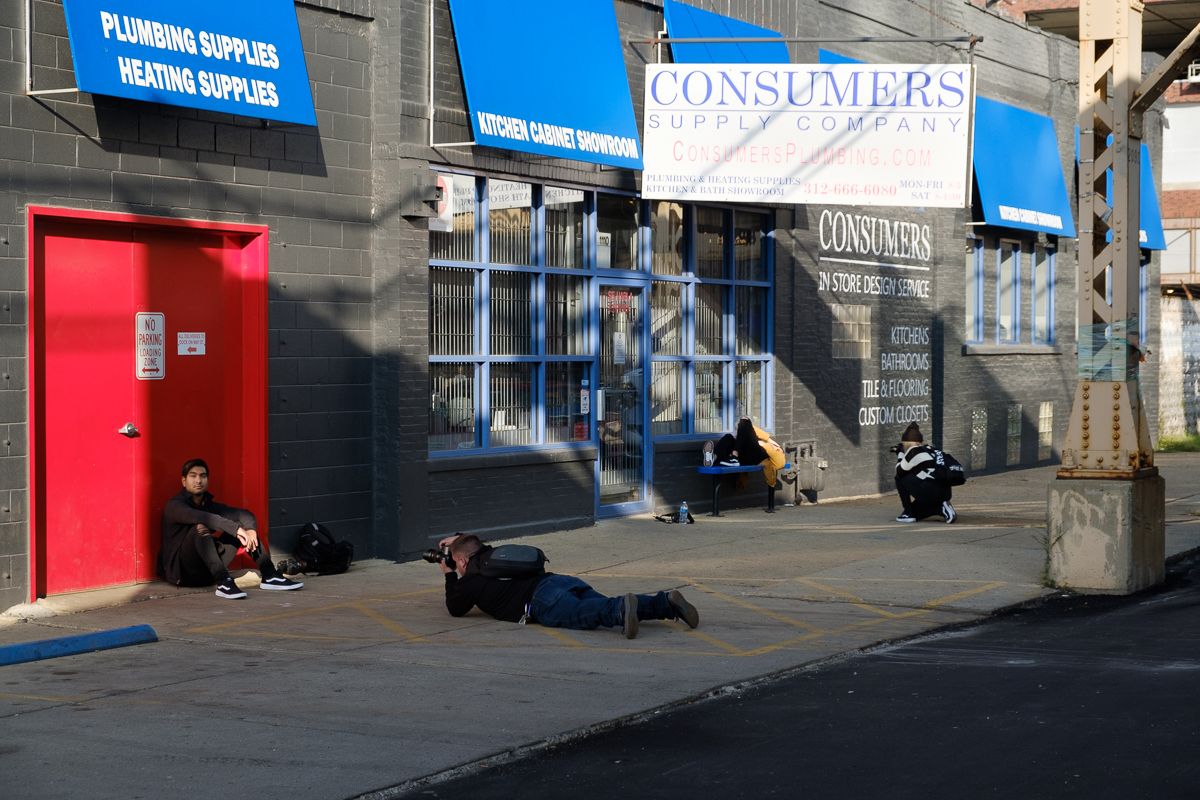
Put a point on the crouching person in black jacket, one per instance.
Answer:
(556, 601)
(922, 494)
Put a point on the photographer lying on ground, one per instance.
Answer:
(556, 601)
(922, 494)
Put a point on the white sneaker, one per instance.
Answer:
(905, 518)
(280, 584)
(948, 512)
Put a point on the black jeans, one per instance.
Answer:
(206, 556)
(921, 498)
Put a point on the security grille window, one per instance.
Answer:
(1014, 434)
(666, 398)
(973, 323)
(851, 331)
(1045, 431)
(452, 312)
(452, 232)
(666, 237)
(1043, 294)
(452, 412)
(979, 433)
(564, 227)
(510, 217)
(1008, 292)
(617, 221)
(518, 273)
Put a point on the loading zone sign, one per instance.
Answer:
(150, 330)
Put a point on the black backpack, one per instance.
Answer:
(948, 470)
(319, 554)
(509, 561)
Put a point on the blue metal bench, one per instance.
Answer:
(718, 471)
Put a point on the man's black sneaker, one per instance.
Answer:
(730, 462)
(229, 590)
(948, 512)
(279, 584)
(906, 518)
(629, 618)
(683, 609)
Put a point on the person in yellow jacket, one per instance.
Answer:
(751, 445)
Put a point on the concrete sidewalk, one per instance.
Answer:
(362, 681)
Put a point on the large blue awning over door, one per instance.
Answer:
(1019, 171)
(689, 22)
(547, 77)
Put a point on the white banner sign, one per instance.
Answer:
(837, 134)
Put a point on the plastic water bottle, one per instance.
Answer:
(683, 513)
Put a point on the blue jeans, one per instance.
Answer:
(564, 601)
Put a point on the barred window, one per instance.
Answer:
(851, 331)
(451, 312)
(564, 227)
(512, 313)
(510, 214)
(517, 303)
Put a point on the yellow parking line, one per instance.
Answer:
(752, 607)
(960, 595)
(49, 699)
(858, 602)
(554, 633)
(704, 637)
(387, 623)
(302, 611)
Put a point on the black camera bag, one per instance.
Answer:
(318, 552)
(509, 561)
(948, 470)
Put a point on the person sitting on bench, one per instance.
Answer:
(751, 445)
(201, 537)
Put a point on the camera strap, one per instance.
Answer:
(527, 616)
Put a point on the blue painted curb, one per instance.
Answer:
(73, 645)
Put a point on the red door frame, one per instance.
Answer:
(254, 250)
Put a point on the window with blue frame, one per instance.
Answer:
(1008, 292)
(515, 270)
(973, 305)
(1043, 294)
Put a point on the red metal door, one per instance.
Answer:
(97, 495)
(89, 337)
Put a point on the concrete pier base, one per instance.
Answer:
(1107, 537)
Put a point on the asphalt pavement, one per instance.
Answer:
(362, 684)
(1079, 697)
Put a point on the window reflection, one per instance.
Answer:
(616, 232)
(564, 227)
(510, 215)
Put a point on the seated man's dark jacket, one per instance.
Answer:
(180, 516)
(503, 599)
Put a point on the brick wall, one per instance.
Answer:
(312, 187)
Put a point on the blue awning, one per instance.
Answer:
(829, 57)
(689, 22)
(1019, 171)
(548, 78)
(1151, 236)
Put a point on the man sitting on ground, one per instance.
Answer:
(556, 601)
(921, 493)
(200, 538)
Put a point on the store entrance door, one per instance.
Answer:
(620, 412)
(148, 347)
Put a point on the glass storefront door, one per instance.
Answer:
(620, 411)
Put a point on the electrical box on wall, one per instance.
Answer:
(419, 193)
